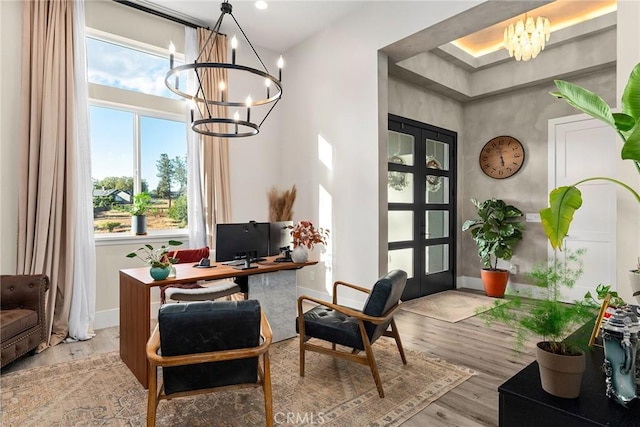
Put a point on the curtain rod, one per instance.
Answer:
(158, 13)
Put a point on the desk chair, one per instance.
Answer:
(352, 328)
(209, 346)
(197, 291)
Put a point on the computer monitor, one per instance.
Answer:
(235, 241)
(279, 236)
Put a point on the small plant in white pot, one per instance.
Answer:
(561, 363)
(496, 233)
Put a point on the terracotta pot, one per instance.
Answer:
(560, 375)
(495, 282)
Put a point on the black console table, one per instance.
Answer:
(524, 403)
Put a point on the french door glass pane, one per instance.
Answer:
(400, 187)
(111, 135)
(436, 224)
(436, 258)
(437, 155)
(437, 189)
(400, 148)
(163, 149)
(400, 226)
(401, 259)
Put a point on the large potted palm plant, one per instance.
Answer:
(565, 200)
(496, 233)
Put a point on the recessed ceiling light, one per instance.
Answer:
(261, 4)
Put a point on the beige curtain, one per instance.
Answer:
(46, 196)
(215, 151)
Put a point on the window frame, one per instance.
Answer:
(139, 104)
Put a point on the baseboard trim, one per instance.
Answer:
(110, 318)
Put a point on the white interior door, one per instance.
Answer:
(574, 143)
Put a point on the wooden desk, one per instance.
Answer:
(272, 283)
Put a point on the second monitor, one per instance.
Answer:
(258, 239)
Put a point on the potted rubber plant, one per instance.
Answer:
(561, 362)
(139, 208)
(496, 233)
(565, 200)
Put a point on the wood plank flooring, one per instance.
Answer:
(470, 343)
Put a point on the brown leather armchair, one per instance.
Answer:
(22, 314)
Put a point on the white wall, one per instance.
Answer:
(333, 93)
(10, 75)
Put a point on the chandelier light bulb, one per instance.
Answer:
(280, 65)
(267, 83)
(172, 51)
(527, 38)
(234, 42)
(236, 116)
(248, 101)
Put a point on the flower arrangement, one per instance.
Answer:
(155, 257)
(305, 234)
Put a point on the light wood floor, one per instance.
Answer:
(469, 343)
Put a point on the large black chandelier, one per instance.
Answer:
(253, 82)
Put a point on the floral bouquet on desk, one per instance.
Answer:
(305, 237)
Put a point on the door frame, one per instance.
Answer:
(448, 277)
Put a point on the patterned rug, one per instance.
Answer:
(451, 306)
(100, 390)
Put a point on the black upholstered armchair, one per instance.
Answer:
(22, 315)
(352, 328)
(206, 346)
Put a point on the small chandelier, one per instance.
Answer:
(254, 81)
(526, 39)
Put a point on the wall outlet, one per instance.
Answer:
(532, 217)
(312, 275)
(514, 268)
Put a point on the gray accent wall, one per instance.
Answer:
(523, 114)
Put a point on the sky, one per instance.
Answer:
(112, 130)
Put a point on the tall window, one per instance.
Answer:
(138, 137)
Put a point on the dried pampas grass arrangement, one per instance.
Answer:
(281, 204)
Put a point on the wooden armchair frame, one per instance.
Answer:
(368, 358)
(156, 394)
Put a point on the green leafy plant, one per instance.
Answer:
(601, 293)
(141, 204)
(564, 201)
(111, 225)
(548, 318)
(496, 232)
(155, 257)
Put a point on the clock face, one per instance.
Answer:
(501, 157)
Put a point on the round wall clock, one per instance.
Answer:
(501, 157)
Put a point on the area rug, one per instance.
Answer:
(100, 390)
(451, 306)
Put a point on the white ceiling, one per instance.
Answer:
(281, 26)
